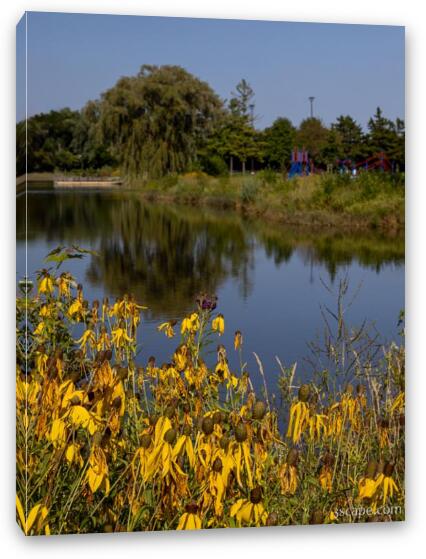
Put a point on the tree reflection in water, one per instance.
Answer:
(165, 255)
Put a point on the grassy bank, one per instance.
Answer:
(371, 201)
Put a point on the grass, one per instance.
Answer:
(373, 200)
(105, 444)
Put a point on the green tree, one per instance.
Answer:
(235, 137)
(45, 142)
(279, 141)
(382, 133)
(351, 138)
(242, 100)
(156, 122)
(312, 135)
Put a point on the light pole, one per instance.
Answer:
(311, 100)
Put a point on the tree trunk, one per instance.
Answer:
(244, 166)
(231, 165)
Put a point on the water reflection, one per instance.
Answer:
(165, 254)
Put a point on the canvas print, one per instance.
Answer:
(210, 274)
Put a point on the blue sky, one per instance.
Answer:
(350, 69)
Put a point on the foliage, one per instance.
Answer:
(165, 121)
(155, 122)
(312, 135)
(279, 142)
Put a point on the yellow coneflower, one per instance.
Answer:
(238, 340)
(288, 473)
(317, 426)
(214, 489)
(241, 455)
(120, 337)
(97, 473)
(386, 480)
(367, 485)
(76, 308)
(80, 417)
(167, 328)
(73, 456)
(45, 284)
(64, 285)
(103, 342)
(184, 442)
(218, 324)
(325, 478)
(299, 414)
(140, 459)
(190, 324)
(190, 519)
(88, 339)
(250, 511)
(180, 357)
(384, 432)
(326, 473)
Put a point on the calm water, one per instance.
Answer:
(269, 280)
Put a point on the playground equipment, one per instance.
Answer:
(377, 161)
(300, 163)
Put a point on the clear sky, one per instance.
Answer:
(350, 69)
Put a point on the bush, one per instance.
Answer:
(214, 166)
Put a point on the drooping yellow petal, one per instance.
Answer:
(20, 511)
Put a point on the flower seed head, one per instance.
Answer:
(187, 430)
(192, 507)
(146, 441)
(241, 433)
(217, 465)
(207, 425)
(328, 459)
(259, 410)
(170, 436)
(256, 495)
(272, 519)
(217, 417)
(224, 442)
(388, 469)
(292, 457)
(169, 411)
(304, 392)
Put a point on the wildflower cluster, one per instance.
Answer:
(104, 444)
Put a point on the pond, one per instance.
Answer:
(271, 281)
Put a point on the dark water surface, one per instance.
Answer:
(269, 279)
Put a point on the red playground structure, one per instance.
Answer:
(377, 161)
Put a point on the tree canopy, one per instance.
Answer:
(156, 122)
(165, 120)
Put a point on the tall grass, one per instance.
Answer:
(371, 200)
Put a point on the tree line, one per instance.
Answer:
(165, 120)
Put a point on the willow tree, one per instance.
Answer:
(154, 123)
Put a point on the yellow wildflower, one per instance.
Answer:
(218, 324)
(250, 511)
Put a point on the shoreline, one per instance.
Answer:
(284, 207)
(310, 220)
